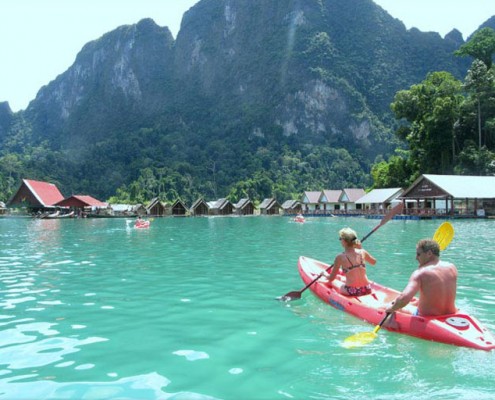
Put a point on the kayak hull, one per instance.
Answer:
(142, 225)
(458, 329)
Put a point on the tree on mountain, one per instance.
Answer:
(481, 46)
(479, 108)
(397, 172)
(431, 110)
(477, 122)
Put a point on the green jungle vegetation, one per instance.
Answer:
(448, 125)
(442, 125)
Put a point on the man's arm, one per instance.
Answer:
(407, 294)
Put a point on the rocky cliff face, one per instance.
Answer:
(114, 80)
(310, 67)
(315, 68)
(6, 117)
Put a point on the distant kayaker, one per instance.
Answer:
(353, 263)
(435, 280)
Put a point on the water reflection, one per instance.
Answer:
(148, 386)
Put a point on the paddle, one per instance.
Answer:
(296, 294)
(443, 236)
(363, 338)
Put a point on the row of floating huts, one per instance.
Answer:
(429, 196)
(44, 200)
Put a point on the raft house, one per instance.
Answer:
(330, 202)
(81, 205)
(270, 206)
(36, 197)
(450, 196)
(199, 208)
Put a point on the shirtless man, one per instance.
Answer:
(435, 280)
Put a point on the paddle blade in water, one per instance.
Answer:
(295, 295)
(359, 339)
(444, 235)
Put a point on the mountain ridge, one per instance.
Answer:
(243, 81)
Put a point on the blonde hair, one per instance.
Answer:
(349, 235)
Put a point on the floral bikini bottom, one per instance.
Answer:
(358, 291)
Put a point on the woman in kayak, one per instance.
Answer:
(353, 263)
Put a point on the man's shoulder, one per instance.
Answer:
(437, 269)
(446, 264)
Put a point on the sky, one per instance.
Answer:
(40, 39)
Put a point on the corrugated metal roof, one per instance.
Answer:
(312, 197)
(81, 201)
(332, 196)
(266, 203)
(289, 204)
(242, 203)
(46, 193)
(179, 202)
(198, 202)
(378, 196)
(219, 204)
(351, 195)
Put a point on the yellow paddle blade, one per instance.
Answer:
(359, 339)
(444, 235)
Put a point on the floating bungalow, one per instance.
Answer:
(156, 208)
(327, 202)
(378, 200)
(331, 200)
(292, 207)
(432, 196)
(179, 208)
(36, 196)
(349, 198)
(312, 202)
(221, 207)
(244, 207)
(270, 206)
(199, 207)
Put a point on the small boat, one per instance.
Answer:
(56, 215)
(68, 215)
(141, 224)
(299, 218)
(458, 329)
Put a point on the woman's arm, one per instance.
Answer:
(335, 269)
(369, 258)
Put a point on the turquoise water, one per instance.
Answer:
(93, 309)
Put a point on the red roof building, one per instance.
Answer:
(81, 201)
(36, 194)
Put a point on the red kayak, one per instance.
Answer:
(142, 224)
(459, 329)
(299, 218)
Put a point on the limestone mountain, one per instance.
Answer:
(290, 92)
